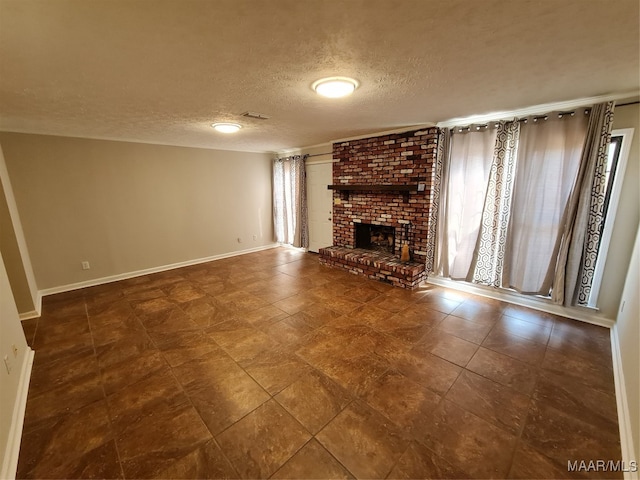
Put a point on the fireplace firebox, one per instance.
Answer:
(379, 238)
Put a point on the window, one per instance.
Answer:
(617, 157)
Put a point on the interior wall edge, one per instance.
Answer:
(624, 418)
(11, 454)
(138, 273)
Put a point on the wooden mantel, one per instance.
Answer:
(404, 189)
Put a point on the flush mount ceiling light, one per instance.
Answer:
(226, 127)
(335, 87)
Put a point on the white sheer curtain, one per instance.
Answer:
(290, 201)
(464, 188)
(547, 165)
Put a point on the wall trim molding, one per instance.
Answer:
(624, 419)
(147, 271)
(10, 462)
(576, 313)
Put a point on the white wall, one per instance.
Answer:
(628, 335)
(13, 385)
(126, 207)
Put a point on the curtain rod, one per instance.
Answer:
(629, 103)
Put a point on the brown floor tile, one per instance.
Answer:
(276, 369)
(313, 462)
(495, 403)
(468, 442)
(123, 328)
(313, 400)
(124, 348)
(503, 369)
(48, 374)
(220, 390)
(525, 329)
(566, 438)
(260, 443)
(574, 398)
(438, 303)
(420, 462)
(55, 449)
(429, 370)
(466, 329)
(363, 441)
(502, 341)
(186, 346)
(62, 400)
(206, 311)
(446, 346)
(594, 374)
(407, 409)
(160, 438)
(204, 462)
(129, 405)
(290, 331)
(387, 379)
(529, 463)
(131, 370)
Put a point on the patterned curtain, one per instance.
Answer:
(444, 139)
(489, 254)
(581, 237)
(290, 201)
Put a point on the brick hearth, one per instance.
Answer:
(375, 265)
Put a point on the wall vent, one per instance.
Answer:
(259, 116)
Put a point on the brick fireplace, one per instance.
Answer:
(383, 181)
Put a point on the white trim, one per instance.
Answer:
(10, 462)
(614, 200)
(147, 271)
(535, 110)
(576, 313)
(318, 162)
(624, 419)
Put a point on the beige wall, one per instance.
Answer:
(628, 330)
(10, 383)
(14, 248)
(126, 207)
(627, 218)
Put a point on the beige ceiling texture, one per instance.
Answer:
(161, 71)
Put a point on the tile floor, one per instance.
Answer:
(270, 365)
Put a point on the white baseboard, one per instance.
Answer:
(576, 313)
(624, 420)
(147, 271)
(10, 462)
(33, 313)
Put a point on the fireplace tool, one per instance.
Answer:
(405, 254)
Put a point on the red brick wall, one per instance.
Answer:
(395, 159)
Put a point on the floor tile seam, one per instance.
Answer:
(497, 328)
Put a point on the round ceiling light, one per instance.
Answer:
(335, 87)
(226, 127)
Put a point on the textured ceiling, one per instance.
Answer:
(162, 71)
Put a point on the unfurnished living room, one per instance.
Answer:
(319, 239)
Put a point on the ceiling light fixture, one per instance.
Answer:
(335, 87)
(226, 127)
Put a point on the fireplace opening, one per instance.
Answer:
(375, 237)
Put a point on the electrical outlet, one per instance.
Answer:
(7, 363)
(85, 265)
(14, 349)
(255, 237)
(239, 240)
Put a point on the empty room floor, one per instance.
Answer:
(270, 365)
